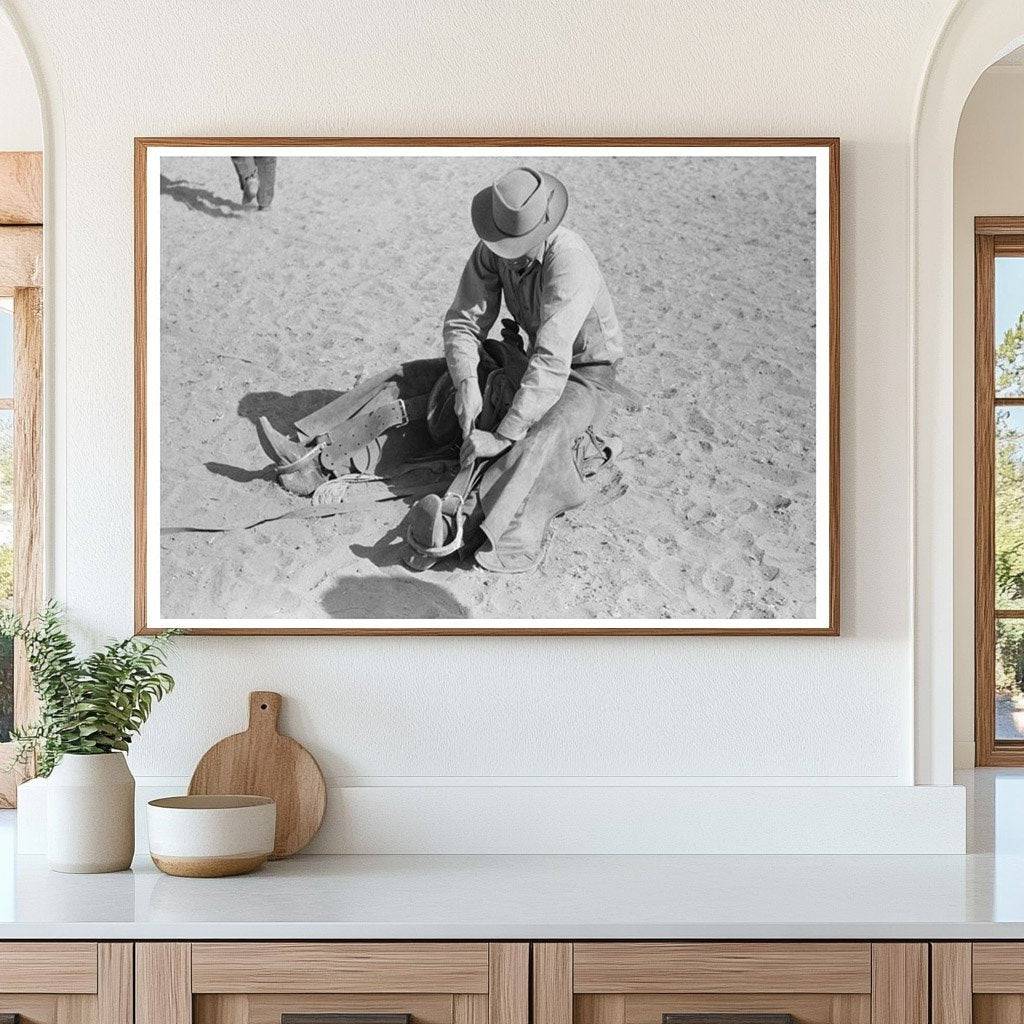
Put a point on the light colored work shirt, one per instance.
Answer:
(560, 300)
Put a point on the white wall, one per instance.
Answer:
(21, 125)
(443, 713)
(988, 181)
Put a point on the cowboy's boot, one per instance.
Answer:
(267, 166)
(248, 178)
(298, 467)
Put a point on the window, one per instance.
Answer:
(21, 374)
(999, 490)
(20, 503)
(6, 510)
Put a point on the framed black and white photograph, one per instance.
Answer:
(503, 386)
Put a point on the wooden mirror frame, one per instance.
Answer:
(21, 273)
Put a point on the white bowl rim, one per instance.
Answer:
(212, 802)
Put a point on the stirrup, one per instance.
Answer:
(447, 518)
(439, 536)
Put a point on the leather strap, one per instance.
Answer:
(309, 512)
(359, 431)
(344, 407)
(461, 487)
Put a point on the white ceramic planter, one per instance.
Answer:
(90, 814)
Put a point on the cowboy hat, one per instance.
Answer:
(519, 211)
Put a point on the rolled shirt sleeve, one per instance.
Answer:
(472, 314)
(570, 283)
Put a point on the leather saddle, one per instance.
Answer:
(348, 433)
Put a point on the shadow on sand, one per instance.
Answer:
(354, 597)
(239, 474)
(282, 411)
(201, 200)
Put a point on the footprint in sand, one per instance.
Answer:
(698, 421)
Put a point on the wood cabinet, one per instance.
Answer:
(979, 982)
(66, 982)
(510, 982)
(815, 982)
(260, 982)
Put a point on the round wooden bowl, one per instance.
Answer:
(211, 836)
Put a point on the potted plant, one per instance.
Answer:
(89, 709)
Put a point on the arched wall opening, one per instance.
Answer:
(987, 183)
(976, 34)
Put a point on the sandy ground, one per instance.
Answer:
(710, 265)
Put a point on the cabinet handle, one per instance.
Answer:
(338, 1018)
(728, 1018)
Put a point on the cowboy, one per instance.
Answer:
(554, 290)
(256, 176)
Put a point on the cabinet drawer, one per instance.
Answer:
(48, 967)
(262, 982)
(998, 967)
(630, 967)
(340, 967)
(735, 982)
(980, 982)
(270, 1009)
(66, 982)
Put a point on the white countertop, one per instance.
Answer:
(978, 896)
(532, 897)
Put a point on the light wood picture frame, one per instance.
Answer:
(701, 202)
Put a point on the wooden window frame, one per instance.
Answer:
(993, 237)
(21, 271)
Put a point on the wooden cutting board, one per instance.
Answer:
(262, 762)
